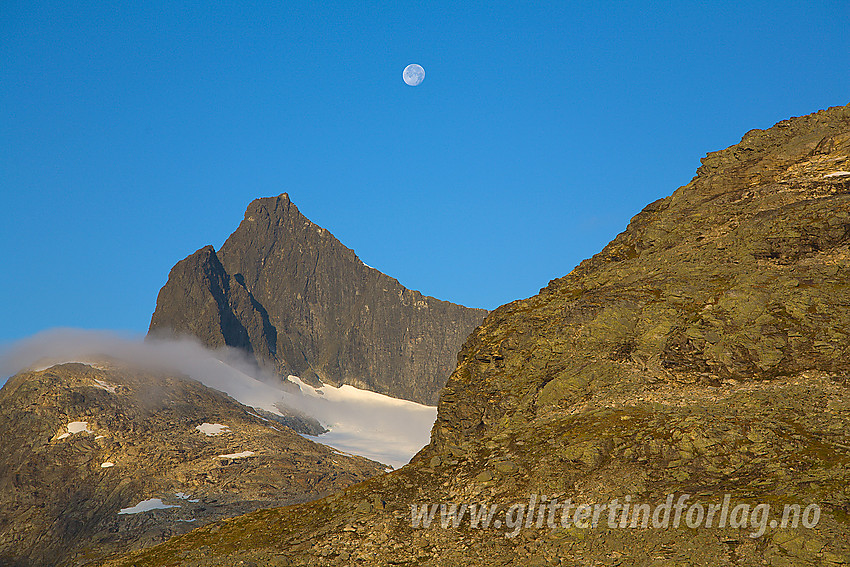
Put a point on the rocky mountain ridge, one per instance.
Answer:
(287, 291)
(83, 443)
(703, 352)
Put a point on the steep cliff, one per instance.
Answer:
(703, 353)
(289, 292)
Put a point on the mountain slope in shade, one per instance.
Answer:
(80, 444)
(287, 291)
(704, 351)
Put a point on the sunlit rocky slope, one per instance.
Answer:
(288, 292)
(704, 351)
(82, 443)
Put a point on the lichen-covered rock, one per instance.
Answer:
(703, 352)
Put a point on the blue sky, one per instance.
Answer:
(132, 135)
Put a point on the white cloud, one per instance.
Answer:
(364, 423)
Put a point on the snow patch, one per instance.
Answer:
(382, 428)
(837, 174)
(104, 386)
(147, 506)
(73, 428)
(187, 497)
(242, 455)
(107, 465)
(78, 427)
(213, 429)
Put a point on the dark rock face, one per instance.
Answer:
(59, 504)
(703, 352)
(201, 299)
(289, 292)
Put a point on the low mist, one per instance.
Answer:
(364, 423)
(227, 369)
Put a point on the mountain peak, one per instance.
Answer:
(277, 207)
(287, 291)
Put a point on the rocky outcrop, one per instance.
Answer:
(82, 443)
(703, 352)
(202, 300)
(291, 294)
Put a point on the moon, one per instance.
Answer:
(413, 74)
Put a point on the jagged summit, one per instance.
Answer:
(287, 291)
(704, 351)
